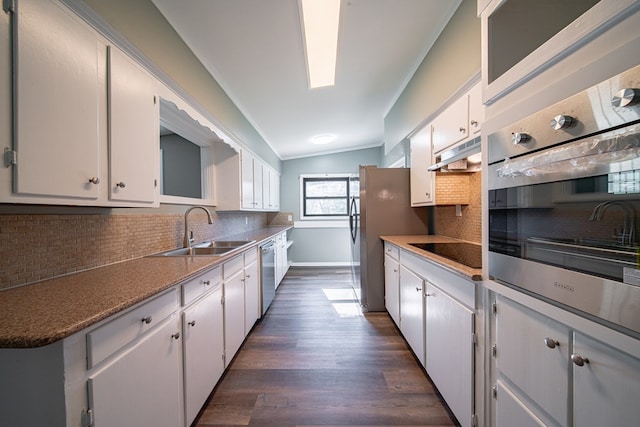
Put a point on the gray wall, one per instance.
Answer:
(144, 26)
(181, 174)
(452, 61)
(320, 246)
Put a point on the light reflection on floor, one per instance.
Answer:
(345, 302)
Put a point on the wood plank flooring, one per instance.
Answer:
(316, 360)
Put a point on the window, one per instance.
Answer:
(328, 196)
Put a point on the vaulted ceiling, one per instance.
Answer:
(255, 51)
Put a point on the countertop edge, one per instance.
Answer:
(473, 274)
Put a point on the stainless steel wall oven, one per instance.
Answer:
(564, 192)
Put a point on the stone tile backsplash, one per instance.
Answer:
(40, 246)
(469, 225)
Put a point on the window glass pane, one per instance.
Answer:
(354, 187)
(326, 207)
(326, 188)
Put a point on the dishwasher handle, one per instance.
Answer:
(267, 246)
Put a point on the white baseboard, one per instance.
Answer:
(322, 264)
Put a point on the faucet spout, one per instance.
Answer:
(187, 238)
(627, 236)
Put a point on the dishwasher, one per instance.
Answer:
(268, 274)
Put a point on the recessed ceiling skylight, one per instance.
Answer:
(320, 21)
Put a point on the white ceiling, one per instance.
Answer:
(254, 50)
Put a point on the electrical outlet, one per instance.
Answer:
(246, 220)
(289, 218)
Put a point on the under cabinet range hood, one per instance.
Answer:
(447, 160)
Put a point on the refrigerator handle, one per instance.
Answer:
(353, 220)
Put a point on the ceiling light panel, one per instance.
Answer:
(320, 22)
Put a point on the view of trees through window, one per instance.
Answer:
(329, 196)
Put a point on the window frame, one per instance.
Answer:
(325, 177)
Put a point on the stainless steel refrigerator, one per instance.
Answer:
(383, 208)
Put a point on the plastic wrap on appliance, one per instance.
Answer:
(608, 149)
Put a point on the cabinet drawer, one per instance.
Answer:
(250, 256)
(200, 285)
(123, 329)
(232, 267)
(392, 251)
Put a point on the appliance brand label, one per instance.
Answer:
(563, 286)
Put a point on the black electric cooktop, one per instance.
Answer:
(464, 253)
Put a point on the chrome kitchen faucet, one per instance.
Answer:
(188, 237)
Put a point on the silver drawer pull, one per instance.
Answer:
(147, 319)
(176, 336)
(192, 323)
(579, 360)
(551, 343)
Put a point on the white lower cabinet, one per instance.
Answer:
(234, 311)
(449, 360)
(251, 290)
(606, 389)
(548, 373)
(203, 341)
(412, 311)
(392, 285)
(437, 319)
(141, 387)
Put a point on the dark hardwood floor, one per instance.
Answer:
(316, 360)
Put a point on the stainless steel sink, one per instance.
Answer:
(211, 248)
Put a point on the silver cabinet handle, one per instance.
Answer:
(176, 336)
(551, 343)
(207, 282)
(192, 323)
(147, 319)
(94, 180)
(474, 122)
(418, 289)
(121, 184)
(462, 130)
(578, 360)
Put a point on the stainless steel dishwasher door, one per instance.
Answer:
(268, 274)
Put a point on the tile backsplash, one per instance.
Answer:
(38, 246)
(469, 225)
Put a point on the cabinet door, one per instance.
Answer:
(266, 188)
(412, 311)
(246, 165)
(133, 137)
(56, 103)
(258, 201)
(392, 288)
(203, 350)
(141, 387)
(251, 296)
(510, 411)
(422, 181)
(476, 110)
(233, 315)
(452, 125)
(449, 350)
(532, 351)
(274, 188)
(605, 390)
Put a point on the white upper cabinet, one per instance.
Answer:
(422, 181)
(452, 125)
(56, 103)
(85, 118)
(459, 122)
(133, 131)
